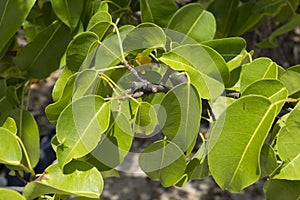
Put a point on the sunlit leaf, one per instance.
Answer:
(10, 194)
(243, 127)
(80, 126)
(282, 189)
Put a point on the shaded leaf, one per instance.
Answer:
(282, 189)
(157, 12)
(79, 49)
(244, 139)
(145, 119)
(68, 11)
(12, 15)
(192, 20)
(114, 144)
(87, 183)
(179, 115)
(268, 161)
(79, 127)
(163, 161)
(42, 56)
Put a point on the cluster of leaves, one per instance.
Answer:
(141, 67)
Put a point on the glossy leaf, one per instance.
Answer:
(290, 78)
(273, 89)
(10, 194)
(261, 68)
(157, 12)
(114, 145)
(68, 11)
(282, 189)
(28, 132)
(79, 49)
(145, 119)
(108, 52)
(163, 161)
(145, 36)
(12, 15)
(179, 115)
(243, 127)
(99, 23)
(229, 48)
(79, 127)
(268, 161)
(10, 150)
(191, 20)
(42, 56)
(288, 146)
(87, 182)
(205, 67)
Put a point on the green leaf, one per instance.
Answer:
(191, 20)
(10, 150)
(225, 13)
(82, 87)
(290, 78)
(28, 132)
(179, 115)
(86, 183)
(268, 7)
(10, 125)
(282, 189)
(245, 19)
(243, 127)
(60, 84)
(220, 104)
(145, 36)
(12, 15)
(288, 146)
(163, 161)
(99, 23)
(145, 119)
(108, 52)
(261, 68)
(79, 127)
(79, 49)
(273, 89)
(157, 12)
(10, 194)
(268, 161)
(54, 110)
(288, 26)
(42, 56)
(114, 145)
(205, 67)
(229, 48)
(68, 11)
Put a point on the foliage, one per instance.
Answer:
(141, 67)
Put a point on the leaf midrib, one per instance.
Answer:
(249, 144)
(44, 47)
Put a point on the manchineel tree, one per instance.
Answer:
(133, 68)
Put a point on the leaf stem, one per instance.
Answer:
(30, 169)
